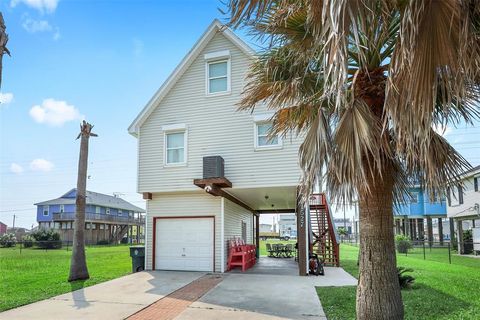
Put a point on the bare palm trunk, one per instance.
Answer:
(78, 263)
(3, 44)
(378, 292)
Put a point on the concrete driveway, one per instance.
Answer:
(265, 296)
(235, 296)
(114, 299)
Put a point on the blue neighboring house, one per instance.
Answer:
(420, 210)
(107, 218)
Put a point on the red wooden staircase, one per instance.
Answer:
(323, 239)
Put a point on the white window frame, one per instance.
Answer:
(107, 210)
(62, 208)
(120, 212)
(171, 129)
(46, 208)
(263, 119)
(217, 57)
(414, 195)
(98, 210)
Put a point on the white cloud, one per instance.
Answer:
(43, 6)
(6, 98)
(442, 129)
(54, 112)
(16, 168)
(34, 26)
(41, 165)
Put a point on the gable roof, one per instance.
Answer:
(95, 198)
(211, 31)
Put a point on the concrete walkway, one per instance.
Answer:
(111, 300)
(236, 296)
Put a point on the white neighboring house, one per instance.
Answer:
(194, 115)
(288, 225)
(463, 202)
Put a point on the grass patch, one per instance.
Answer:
(35, 274)
(441, 290)
(263, 243)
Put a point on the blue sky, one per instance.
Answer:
(101, 60)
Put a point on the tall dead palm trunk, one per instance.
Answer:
(78, 262)
(3, 44)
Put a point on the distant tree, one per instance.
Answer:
(78, 263)
(3, 44)
(8, 240)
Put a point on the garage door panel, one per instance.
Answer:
(184, 244)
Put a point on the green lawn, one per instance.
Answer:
(441, 290)
(263, 248)
(38, 274)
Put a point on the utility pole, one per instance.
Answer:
(13, 226)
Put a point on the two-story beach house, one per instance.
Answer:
(207, 170)
(464, 204)
(422, 217)
(107, 218)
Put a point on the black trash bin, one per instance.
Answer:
(138, 258)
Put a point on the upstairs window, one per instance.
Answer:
(97, 209)
(413, 197)
(62, 208)
(175, 148)
(46, 209)
(107, 210)
(263, 139)
(120, 212)
(218, 76)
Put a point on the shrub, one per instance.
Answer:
(47, 239)
(28, 241)
(403, 243)
(8, 240)
(124, 240)
(406, 281)
(103, 242)
(467, 241)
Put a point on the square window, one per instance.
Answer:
(262, 139)
(175, 147)
(217, 76)
(413, 197)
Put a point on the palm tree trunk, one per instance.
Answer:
(78, 263)
(378, 291)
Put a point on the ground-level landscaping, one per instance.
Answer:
(441, 290)
(34, 274)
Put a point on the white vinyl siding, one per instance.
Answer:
(183, 204)
(215, 127)
(234, 215)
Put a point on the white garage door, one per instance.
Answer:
(184, 244)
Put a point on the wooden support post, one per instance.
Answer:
(421, 229)
(440, 230)
(257, 234)
(451, 223)
(429, 231)
(405, 226)
(302, 227)
(413, 223)
(460, 236)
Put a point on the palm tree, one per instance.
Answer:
(367, 81)
(3, 44)
(78, 262)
